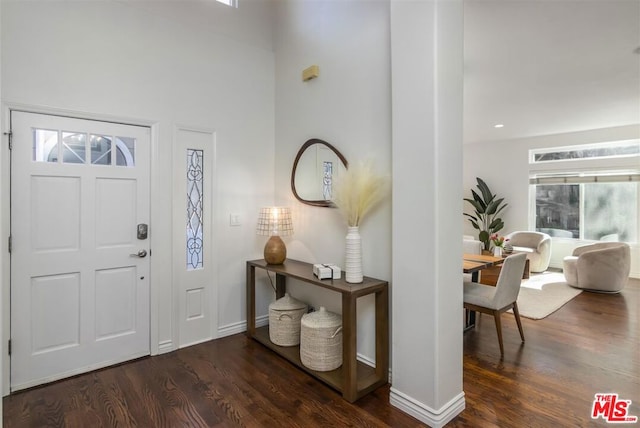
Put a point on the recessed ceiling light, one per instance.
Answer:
(499, 125)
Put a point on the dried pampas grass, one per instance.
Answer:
(358, 191)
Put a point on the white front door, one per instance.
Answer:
(79, 263)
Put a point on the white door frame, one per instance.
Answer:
(5, 225)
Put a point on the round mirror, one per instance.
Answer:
(315, 168)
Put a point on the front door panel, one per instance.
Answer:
(79, 291)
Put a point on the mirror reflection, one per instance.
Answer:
(315, 170)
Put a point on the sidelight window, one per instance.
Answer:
(195, 176)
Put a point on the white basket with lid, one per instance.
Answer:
(321, 340)
(284, 320)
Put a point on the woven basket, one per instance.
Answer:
(321, 340)
(284, 320)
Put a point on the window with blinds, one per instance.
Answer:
(589, 192)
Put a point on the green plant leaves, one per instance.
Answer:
(486, 208)
(486, 193)
(479, 201)
(480, 208)
(496, 225)
(493, 206)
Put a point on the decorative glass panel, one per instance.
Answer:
(194, 208)
(100, 149)
(73, 147)
(327, 179)
(45, 145)
(125, 151)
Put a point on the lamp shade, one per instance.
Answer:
(275, 221)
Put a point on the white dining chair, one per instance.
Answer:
(496, 300)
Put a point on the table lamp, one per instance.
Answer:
(275, 222)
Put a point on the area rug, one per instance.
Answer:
(543, 294)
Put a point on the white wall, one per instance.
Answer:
(197, 64)
(504, 165)
(348, 105)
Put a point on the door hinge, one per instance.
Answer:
(9, 346)
(10, 135)
(10, 244)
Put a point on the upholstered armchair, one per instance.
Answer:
(603, 266)
(471, 245)
(536, 245)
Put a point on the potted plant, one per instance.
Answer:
(486, 209)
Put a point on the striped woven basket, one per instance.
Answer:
(284, 320)
(321, 340)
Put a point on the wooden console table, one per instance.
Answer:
(353, 379)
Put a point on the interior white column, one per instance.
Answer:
(3, 259)
(426, 50)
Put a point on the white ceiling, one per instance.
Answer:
(550, 66)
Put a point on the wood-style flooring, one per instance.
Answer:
(590, 345)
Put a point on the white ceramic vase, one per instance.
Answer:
(353, 256)
(497, 251)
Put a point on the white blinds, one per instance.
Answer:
(568, 178)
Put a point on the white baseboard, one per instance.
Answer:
(165, 346)
(241, 327)
(366, 360)
(433, 418)
(227, 330)
(370, 362)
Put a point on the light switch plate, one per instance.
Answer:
(234, 220)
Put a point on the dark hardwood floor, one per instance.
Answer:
(591, 345)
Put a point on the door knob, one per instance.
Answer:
(141, 254)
